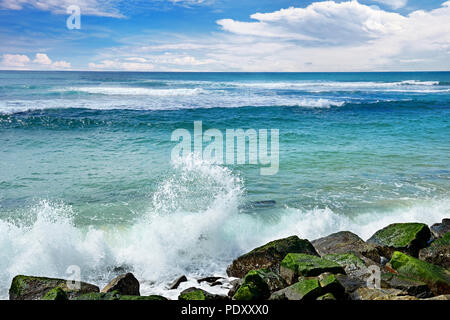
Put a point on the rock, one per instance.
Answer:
(305, 289)
(176, 283)
(441, 297)
(346, 242)
(380, 294)
(269, 256)
(331, 284)
(199, 294)
(258, 285)
(300, 264)
(112, 295)
(209, 279)
(326, 296)
(55, 294)
(35, 288)
(410, 286)
(406, 237)
(440, 229)
(438, 252)
(235, 284)
(350, 283)
(152, 297)
(437, 278)
(352, 264)
(125, 284)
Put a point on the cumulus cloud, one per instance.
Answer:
(394, 4)
(138, 64)
(103, 8)
(41, 61)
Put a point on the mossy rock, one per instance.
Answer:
(258, 284)
(299, 264)
(327, 296)
(113, 295)
(348, 261)
(152, 297)
(269, 256)
(437, 278)
(331, 284)
(440, 229)
(438, 252)
(55, 294)
(35, 288)
(307, 288)
(405, 237)
(413, 287)
(198, 294)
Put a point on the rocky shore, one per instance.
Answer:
(404, 261)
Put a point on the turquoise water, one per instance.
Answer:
(87, 179)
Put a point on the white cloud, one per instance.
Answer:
(103, 8)
(117, 64)
(394, 4)
(40, 62)
(15, 60)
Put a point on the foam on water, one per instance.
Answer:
(193, 226)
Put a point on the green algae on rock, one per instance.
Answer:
(438, 252)
(258, 284)
(269, 256)
(55, 294)
(306, 288)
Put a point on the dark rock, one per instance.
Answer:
(112, 295)
(350, 283)
(438, 252)
(259, 284)
(352, 264)
(199, 294)
(327, 296)
(55, 294)
(176, 283)
(306, 288)
(405, 237)
(152, 297)
(269, 256)
(440, 229)
(412, 287)
(35, 288)
(299, 264)
(331, 284)
(209, 279)
(437, 278)
(346, 242)
(125, 284)
(380, 294)
(235, 284)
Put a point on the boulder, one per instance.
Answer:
(235, 284)
(125, 284)
(176, 283)
(352, 264)
(438, 252)
(306, 288)
(199, 294)
(209, 279)
(406, 237)
(437, 278)
(331, 284)
(55, 294)
(350, 283)
(300, 264)
(412, 287)
(35, 288)
(380, 294)
(258, 285)
(440, 229)
(346, 242)
(269, 256)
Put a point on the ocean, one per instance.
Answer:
(86, 176)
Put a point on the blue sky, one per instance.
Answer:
(226, 35)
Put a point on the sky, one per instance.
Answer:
(226, 35)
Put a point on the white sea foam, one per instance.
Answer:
(134, 91)
(193, 227)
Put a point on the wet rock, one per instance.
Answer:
(438, 252)
(440, 229)
(405, 237)
(437, 278)
(351, 283)
(306, 288)
(269, 256)
(176, 283)
(35, 288)
(299, 264)
(199, 294)
(346, 242)
(209, 279)
(380, 294)
(125, 284)
(235, 284)
(112, 295)
(258, 285)
(330, 284)
(412, 287)
(55, 294)
(352, 264)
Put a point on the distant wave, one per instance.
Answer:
(133, 91)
